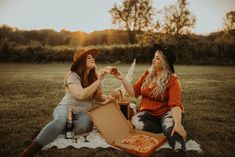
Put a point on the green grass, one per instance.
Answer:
(30, 92)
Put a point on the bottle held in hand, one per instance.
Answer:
(69, 125)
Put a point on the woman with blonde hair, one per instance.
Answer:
(160, 109)
(83, 86)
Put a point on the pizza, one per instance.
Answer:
(141, 143)
(112, 70)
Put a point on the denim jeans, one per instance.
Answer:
(81, 122)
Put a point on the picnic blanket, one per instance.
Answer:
(94, 140)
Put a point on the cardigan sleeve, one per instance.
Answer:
(175, 93)
(138, 84)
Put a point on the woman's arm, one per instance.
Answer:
(177, 117)
(83, 93)
(101, 98)
(176, 106)
(99, 93)
(127, 85)
(176, 114)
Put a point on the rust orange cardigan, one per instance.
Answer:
(159, 105)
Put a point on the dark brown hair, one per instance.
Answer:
(80, 69)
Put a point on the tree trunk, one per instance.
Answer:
(132, 37)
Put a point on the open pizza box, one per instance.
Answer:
(118, 131)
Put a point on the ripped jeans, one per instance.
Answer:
(81, 122)
(158, 124)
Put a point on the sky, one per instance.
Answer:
(91, 15)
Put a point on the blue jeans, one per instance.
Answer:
(81, 122)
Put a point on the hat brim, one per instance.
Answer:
(167, 57)
(93, 52)
(171, 66)
(172, 69)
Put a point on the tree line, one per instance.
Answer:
(136, 32)
(216, 48)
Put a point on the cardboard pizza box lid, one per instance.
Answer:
(114, 127)
(111, 123)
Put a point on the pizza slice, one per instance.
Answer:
(141, 143)
(112, 70)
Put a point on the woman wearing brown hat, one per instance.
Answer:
(83, 86)
(160, 109)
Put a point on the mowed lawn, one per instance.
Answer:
(30, 92)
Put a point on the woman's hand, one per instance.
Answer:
(105, 99)
(114, 71)
(119, 75)
(101, 73)
(180, 130)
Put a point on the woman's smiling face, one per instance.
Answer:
(90, 62)
(157, 61)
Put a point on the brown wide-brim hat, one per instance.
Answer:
(78, 55)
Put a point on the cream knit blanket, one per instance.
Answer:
(94, 140)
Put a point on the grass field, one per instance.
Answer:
(30, 92)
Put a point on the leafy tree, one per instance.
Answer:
(133, 16)
(178, 19)
(229, 21)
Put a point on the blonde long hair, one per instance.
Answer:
(160, 81)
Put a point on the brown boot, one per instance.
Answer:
(33, 148)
